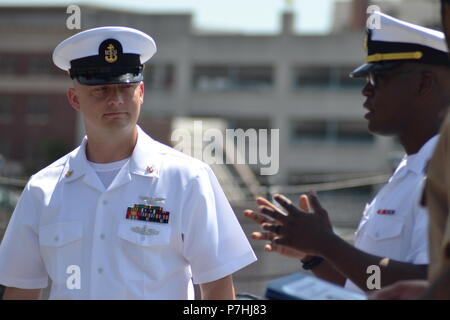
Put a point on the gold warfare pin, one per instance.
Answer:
(144, 231)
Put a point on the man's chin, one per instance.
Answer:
(372, 128)
(118, 124)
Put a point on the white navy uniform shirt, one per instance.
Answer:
(66, 217)
(394, 224)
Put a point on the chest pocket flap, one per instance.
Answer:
(385, 227)
(144, 233)
(60, 234)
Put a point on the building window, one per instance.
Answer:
(249, 123)
(260, 77)
(38, 111)
(6, 109)
(40, 64)
(28, 64)
(309, 131)
(353, 132)
(160, 77)
(331, 131)
(8, 64)
(211, 78)
(325, 77)
(341, 78)
(5, 149)
(215, 78)
(316, 76)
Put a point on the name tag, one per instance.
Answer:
(385, 211)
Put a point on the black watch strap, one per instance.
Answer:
(312, 263)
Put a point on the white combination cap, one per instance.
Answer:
(105, 55)
(392, 41)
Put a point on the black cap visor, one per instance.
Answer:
(123, 78)
(97, 70)
(363, 71)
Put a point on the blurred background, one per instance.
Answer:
(254, 64)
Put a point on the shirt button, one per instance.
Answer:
(377, 234)
(56, 239)
(100, 270)
(102, 236)
(105, 202)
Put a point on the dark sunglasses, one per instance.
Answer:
(375, 77)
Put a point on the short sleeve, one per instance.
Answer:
(418, 253)
(214, 242)
(21, 265)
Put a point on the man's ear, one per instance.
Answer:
(427, 83)
(141, 88)
(73, 99)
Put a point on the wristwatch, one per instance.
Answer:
(311, 263)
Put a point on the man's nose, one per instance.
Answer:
(116, 96)
(368, 90)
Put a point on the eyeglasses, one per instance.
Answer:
(375, 77)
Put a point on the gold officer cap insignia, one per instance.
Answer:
(110, 53)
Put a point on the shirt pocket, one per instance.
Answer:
(60, 234)
(61, 247)
(386, 228)
(144, 234)
(145, 255)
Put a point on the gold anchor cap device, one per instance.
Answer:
(105, 55)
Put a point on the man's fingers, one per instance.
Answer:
(280, 241)
(303, 203)
(274, 228)
(271, 247)
(272, 213)
(286, 203)
(315, 204)
(263, 236)
(264, 202)
(255, 217)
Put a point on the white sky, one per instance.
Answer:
(246, 16)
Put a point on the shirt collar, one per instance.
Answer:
(418, 161)
(145, 159)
